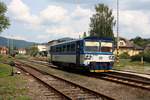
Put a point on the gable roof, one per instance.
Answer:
(130, 44)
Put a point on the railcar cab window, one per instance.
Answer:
(96, 46)
(106, 46)
(92, 46)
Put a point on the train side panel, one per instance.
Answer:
(64, 58)
(74, 54)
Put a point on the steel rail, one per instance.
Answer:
(132, 72)
(74, 84)
(41, 81)
(126, 81)
(120, 79)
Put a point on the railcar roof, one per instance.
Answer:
(65, 42)
(87, 38)
(97, 38)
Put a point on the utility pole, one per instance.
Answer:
(117, 60)
(8, 45)
(12, 45)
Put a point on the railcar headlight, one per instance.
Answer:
(88, 57)
(111, 57)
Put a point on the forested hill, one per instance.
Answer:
(16, 43)
(141, 41)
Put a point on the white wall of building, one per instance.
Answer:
(42, 48)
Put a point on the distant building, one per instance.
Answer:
(22, 51)
(3, 50)
(42, 47)
(128, 47)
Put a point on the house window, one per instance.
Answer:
(121, 43)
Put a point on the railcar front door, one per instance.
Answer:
(78, 53)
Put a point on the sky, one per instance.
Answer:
(45, 20)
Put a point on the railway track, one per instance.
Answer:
(50, 92)
(122, 78)
(132, 72)
(45, 92)
(64, 89)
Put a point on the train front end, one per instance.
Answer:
(98, 54)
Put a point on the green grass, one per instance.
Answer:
(19, 56)
(136, 66)
(5, 58)
(11, 87)
(128, 62)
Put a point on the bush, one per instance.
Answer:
(1, 56)
(145, 55)
(136, 58)
(124, 55)
(12, 63)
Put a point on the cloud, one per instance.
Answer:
(132, 21)
(50, 15)
(21, 12)
(59, 30)
(81, 12)
(75, 25)
(54, 13)
(56, 21)
(53, 21)
(135, 4)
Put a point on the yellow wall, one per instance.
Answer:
(131, 52)
(123, 49)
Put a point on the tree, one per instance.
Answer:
(32, 51)
(140, 41)
(84, 35)
(102, 22)
(4, 21)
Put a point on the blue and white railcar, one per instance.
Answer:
(91, 54)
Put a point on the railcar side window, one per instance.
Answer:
(60, 48)
(54, 49)
(57, 49)
(64, 48)
(72, 48)
(68, 48)
(51, 49)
